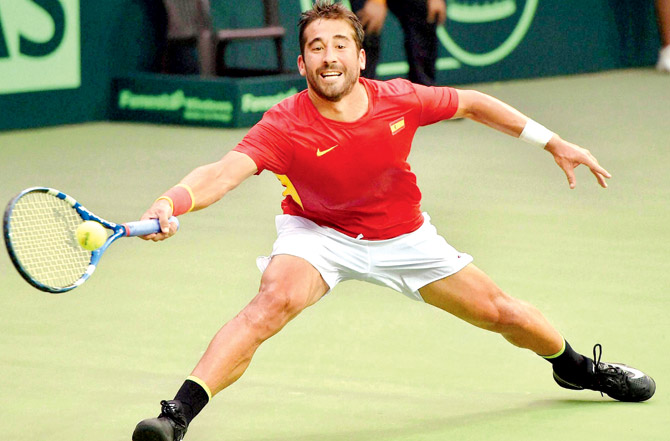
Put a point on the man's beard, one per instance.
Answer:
(332, 92)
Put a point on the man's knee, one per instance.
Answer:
(506, 313)
(269, 311)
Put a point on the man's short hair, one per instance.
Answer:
(328, 10)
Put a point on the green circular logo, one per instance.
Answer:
(482, 13)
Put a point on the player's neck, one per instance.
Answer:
(349, 109)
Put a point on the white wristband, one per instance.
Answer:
(536, 134)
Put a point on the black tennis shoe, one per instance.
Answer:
(170, 425)
(619, 381)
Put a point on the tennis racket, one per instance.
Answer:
(39, 230)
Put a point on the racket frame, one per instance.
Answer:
(138, 228)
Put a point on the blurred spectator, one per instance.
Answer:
(663, 17)
(419, 20)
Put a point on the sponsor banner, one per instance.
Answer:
(257, 95)
(39, 45)
(216, 102)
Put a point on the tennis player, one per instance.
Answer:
(352, 211)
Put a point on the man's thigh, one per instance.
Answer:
(469, 294)
(295, 278)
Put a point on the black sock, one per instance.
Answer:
(193, 397)
(570, 365)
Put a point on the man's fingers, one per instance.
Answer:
(369, 23)
(601, 178)
(172, 229)
(437, 16)
(160, 210)
(165, 225)
(372, 16)
(167, 228)
(601, 171)
(569, 170)
(570, 156)
(157, 237)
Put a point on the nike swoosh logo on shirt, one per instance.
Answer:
(320, 152)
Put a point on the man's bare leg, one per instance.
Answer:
(472, 296)
(288, 286)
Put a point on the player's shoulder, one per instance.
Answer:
(289, 111)
(394, 87)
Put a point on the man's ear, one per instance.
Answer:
(362, 59)
(301, 66)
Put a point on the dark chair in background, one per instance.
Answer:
(189, 48)
(271, 30)
(194, 45)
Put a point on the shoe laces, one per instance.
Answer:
(606, 375)
(596, 359)
(170, 409)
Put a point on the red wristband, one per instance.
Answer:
(180, 198)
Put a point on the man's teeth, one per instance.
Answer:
(331, 74)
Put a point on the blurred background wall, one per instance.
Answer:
(58, 57)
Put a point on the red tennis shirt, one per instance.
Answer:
(350, 176)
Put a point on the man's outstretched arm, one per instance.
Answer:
(494, 113)
(201, 187)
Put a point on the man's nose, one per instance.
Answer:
(329, 55)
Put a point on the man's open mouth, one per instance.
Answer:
(330, 74)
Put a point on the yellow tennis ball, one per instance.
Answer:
(91, 235)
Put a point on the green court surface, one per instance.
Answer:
(364, 363)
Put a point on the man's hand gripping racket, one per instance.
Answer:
(160, 212)
(39, 228)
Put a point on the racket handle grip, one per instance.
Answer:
(149, 226)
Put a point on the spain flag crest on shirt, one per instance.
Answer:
(397, 125)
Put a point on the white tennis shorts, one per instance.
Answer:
(405, 263)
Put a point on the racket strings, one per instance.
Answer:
(42, 230)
